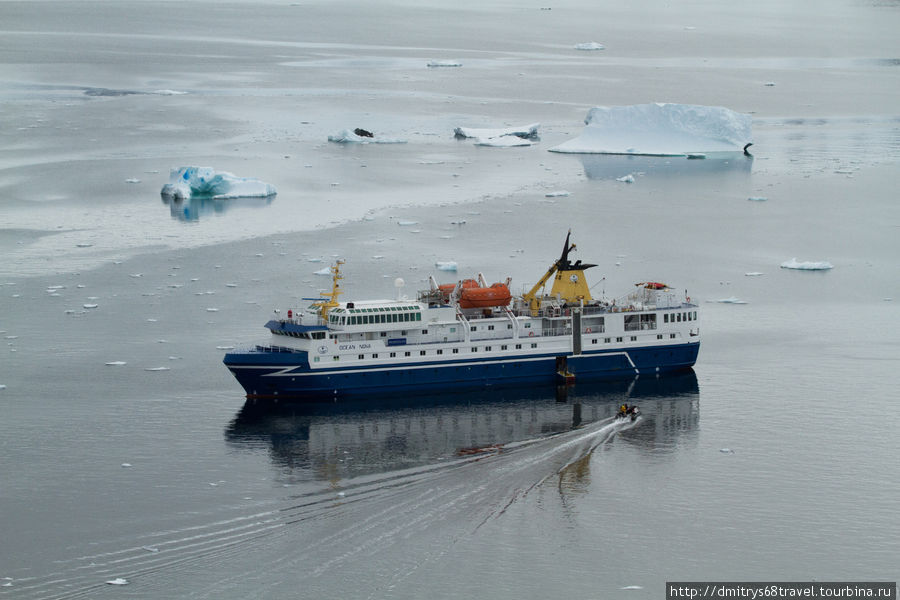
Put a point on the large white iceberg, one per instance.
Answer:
(205, 182)
(660, 129)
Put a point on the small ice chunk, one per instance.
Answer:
(150, 549)
(132, 180)
(223, 348)
(157, 369)
(116, 363)
(726, 451)
(626, 178)
(2, 386)
(212, 309)
(444, 63)
(446, 265)
(118, 581)
(806, 265)
(590, 46)
(524, 131)
(126, 465)
(407, 223)
(770, 84)
(731, 300)
(757, 198)
(325, 271)
(347, 136)
(752, 274)
(557, 194)
(632, 587)
(231, 285)
(90, 305)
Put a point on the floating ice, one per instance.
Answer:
(347, 136)
(626, 178)
(116, 363)
(757, 198)
(559, 194)
(752, 274)
(632, 587)
(446, 265)
(90, 305)
(221, 348)
(506, 141)
(132, 180)
(157, 369)
(590, 46)
(325, 271)
(731, 300)
(2, 386)
(444, 63)
(126, 465)
(118, 581)
(660, 129)
(806, 265)
(726, 451)
(504, 137)
(407, 223)
(205, 182)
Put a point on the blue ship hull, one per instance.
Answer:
(264, 373)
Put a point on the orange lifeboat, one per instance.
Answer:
(653, 285)
(485, 297)
(447, 288)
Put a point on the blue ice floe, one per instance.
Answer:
(206, 182)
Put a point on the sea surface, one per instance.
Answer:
(776, 458)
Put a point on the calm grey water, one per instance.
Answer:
(775, 459)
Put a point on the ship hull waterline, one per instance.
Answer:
(266, 374)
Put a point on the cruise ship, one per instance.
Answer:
(469, 335)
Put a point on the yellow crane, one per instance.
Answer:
(569, 285)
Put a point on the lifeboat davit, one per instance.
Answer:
(485, 297)
(447, 288)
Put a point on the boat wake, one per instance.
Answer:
(382, 528)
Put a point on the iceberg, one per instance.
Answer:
(590, 46)
(660, 129)
(806, 265)
(447, 265)
(204, 182)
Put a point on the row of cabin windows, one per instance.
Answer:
(491, 327)
(374, 319)
(679, 317)
(437, 352)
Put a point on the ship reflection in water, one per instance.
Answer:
(334, 442)
(192, 209)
